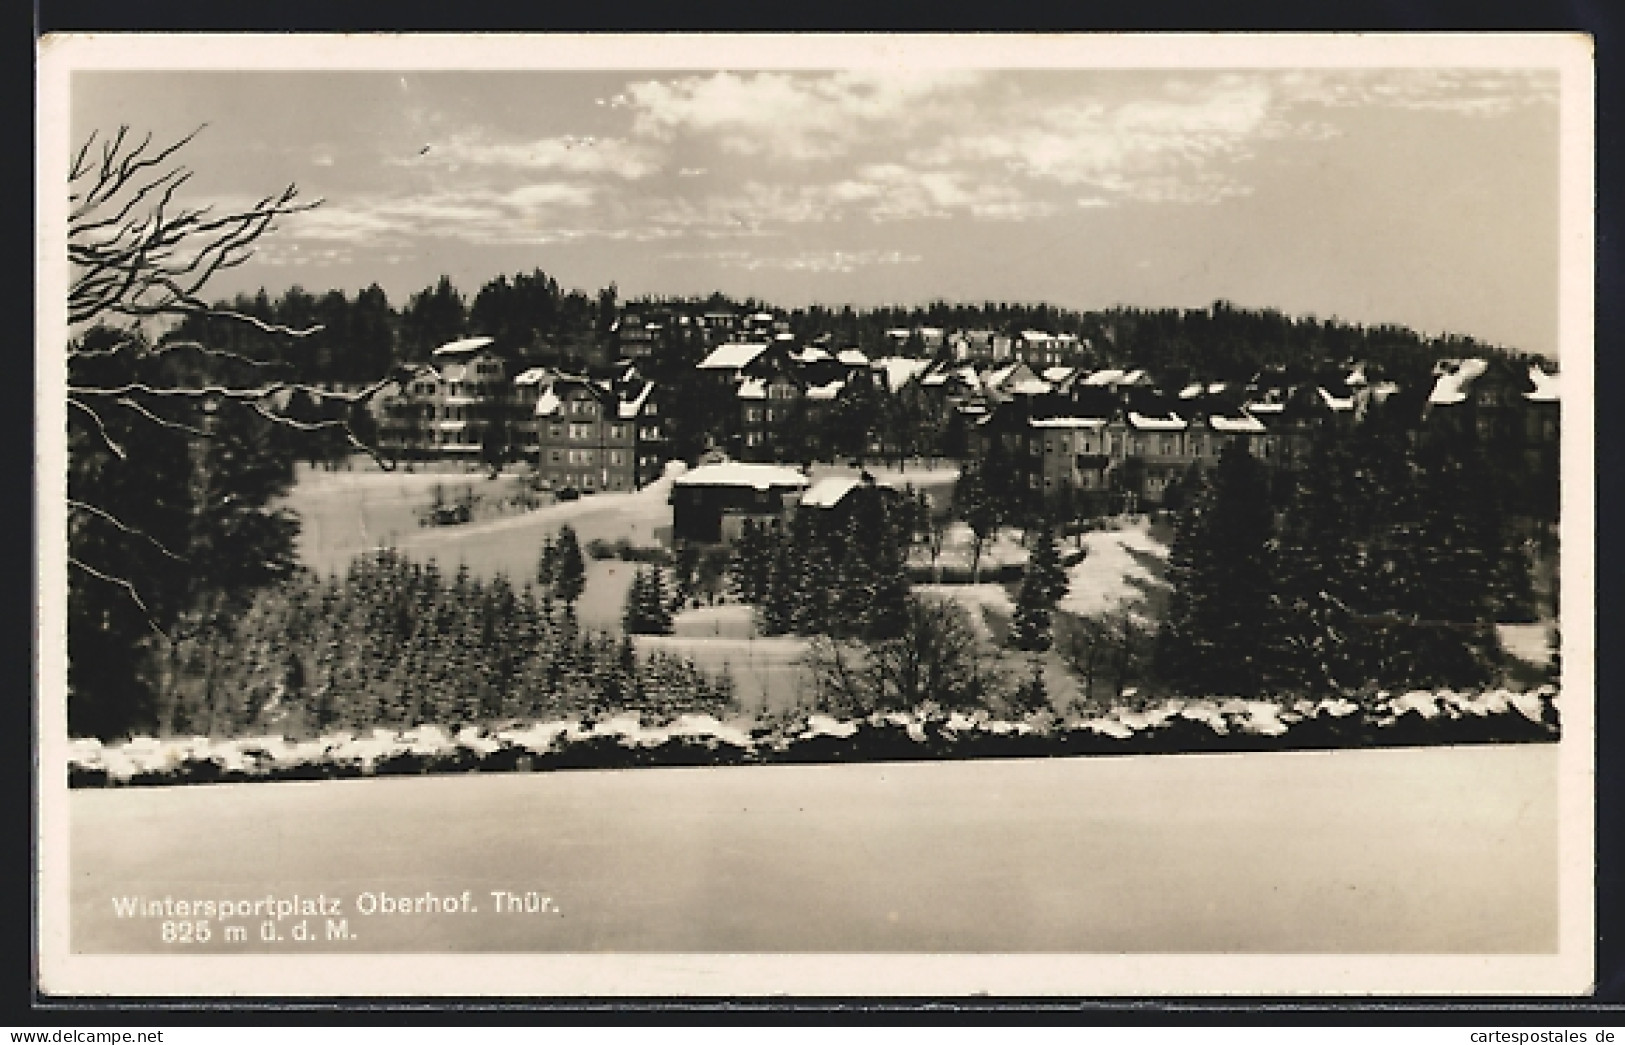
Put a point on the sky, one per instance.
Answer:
(1426, 197)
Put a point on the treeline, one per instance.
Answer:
(1387, 569)
(534, 320)
(396, 643)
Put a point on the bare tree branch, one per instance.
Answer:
(164, 422)
(129, 589)
(100, 427)
(126, 527)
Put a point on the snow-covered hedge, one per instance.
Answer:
(1383, 720)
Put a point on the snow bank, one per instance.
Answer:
(1381, 719)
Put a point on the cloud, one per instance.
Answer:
(529, 213)
(814, 261)
(590, 156)
(1136, 149)
(788, 116)
(1465, 92)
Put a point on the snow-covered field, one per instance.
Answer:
(1122, 570)
(1439, 850)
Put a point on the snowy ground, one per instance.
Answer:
(1439, 850)
(767, 672)
(1123, 569)
(1530, 643)
(975, 598)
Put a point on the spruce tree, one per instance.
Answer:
(570, 578)
(634, 617)
(657, 604)
(1211, 640)
(1030, 628)
(1318, 580)
(778, 602)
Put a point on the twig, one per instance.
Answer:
(129, 589)
(126, 527)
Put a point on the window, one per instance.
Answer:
(615, 457)
(1167, 445)
(554, 430)
(649, 432)
(1049, 446)
(1032, 481)
(753, 439)
(651, 408)
(753, 414)
(617, 431)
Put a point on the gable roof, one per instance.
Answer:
(737, 473)
(732, 356)
(466, 346)
(1547, 386)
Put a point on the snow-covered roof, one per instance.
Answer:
(1069, 422)
(828, 491)
(547, 404)
(997, 377)
(736, 473)
(762, 317)
(852, 357)
(1244, 424)
(1101, 378)
(1547, 386)
(1037, 335)
(634, 406)
(752, 388)
(534, 376)
(1216, 387)
(900, 370)
(1034, 386)
(1265, 408)
(784, 335)
(732, 356)
(1341, 404)
(1057, 374)
(1171, 423)
(809, 355)
(829, 391)
(1452, 384)
(1190, 391)
(466, 345)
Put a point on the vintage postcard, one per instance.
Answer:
(740, 515)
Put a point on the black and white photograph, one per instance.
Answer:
(815, 515)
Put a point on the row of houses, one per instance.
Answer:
(1058, 429)
(1121, 433)
(581, 433)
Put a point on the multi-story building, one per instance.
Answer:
(448, 405)
(594, 435)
